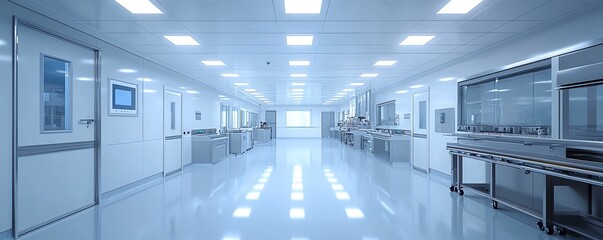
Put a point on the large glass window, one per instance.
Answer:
(518, 100)
(386, 114)
(583, 113)
(298, 118)
(56, 95)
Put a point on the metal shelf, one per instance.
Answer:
(583, 224)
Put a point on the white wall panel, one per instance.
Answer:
(121, 164)
(6, 121)
(152, 158)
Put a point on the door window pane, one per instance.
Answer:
(423, 115)
(386, 114)
(173, 116)
(56, 95)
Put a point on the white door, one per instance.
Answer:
(420, 130)
(172, 118)
(55, 166)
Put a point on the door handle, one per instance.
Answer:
(88, 121)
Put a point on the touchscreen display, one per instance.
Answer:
(123, 97)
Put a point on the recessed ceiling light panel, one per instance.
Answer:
(385, 63)
(298, 84)
(241, 84)
(213, 63)
(303, 6)
(299, 63)
(140, 6)
(459, 6)
(300, 40)
(369, 75)
(230, 75)
(182, 40)
(356, 84)
(416, 40)
(299, 75)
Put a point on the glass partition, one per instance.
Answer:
(519, 103)
(386, 114)
(583, 113)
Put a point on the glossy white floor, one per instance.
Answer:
(293, 189)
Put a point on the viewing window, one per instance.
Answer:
(56, 95)
(298, 118)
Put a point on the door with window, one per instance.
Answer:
(172, 113)
(55, 100)
(420, 130)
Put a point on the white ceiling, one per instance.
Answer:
(349, 37)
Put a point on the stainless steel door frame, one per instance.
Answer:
(18, 22)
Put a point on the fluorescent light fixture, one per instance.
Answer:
(242, 212)
(342, 196)
(342, 93)
(333, 99)
(85, 79)
(249, 90)
(213, 63)
(182, 40)
(338, 96)
(356, 84)
(297, 93)
(417, 86)
(126, 70)
(459, 6)
(297, 213)
(230, 75)
(299, 75)
(241, 84)
(348, 90)
(543, 82)
(332, 180)
(149, 91)
(221, 96)
(297, 90)
(354, 213)
(297, 196)
(385, 63)
(297, 186)
(303, 6)
(369, 75)
(402, 91)
(416, 40)
(300, 40)
(329, 175)
(337, 187)
(139, 6)
(255, 93)
(299, 63)
(263, 180)
(258, 187)
(446, 79)
(298, 84)
(192, 92)
(233, 238)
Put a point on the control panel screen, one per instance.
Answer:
(123, 98)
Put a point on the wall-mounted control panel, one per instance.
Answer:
(123, 98)
(445, 120)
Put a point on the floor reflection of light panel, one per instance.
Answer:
(333, 180)
(297, 186)
(337, 187)
(297, 213)
(242, 212)
(354, 213)
(342, 195)
(297, 196)
(252, 196)
(258, 186)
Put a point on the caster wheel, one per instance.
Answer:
(540, 225)
(461, 192)
(559, 231)
(452, 188)
(548, 230)
(495, 204)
